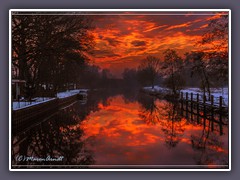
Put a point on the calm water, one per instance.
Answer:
(123, 130)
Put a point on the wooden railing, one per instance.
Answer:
(203, 108)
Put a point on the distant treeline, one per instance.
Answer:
(197, 69)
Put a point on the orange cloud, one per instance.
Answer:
(154, 28)
(179, 26)
(123, 41)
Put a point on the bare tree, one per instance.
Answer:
(217, 34)
(172, 70)
(199, 67)
(44, 47)
(149, 69)
(217, 37)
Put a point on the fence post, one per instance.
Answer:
(191, 106)
(220, 115)
(220, 103)
(212, 111)
(182, 102)
(186, 104)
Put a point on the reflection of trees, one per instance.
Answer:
(60, 136)
(172, 125)
(167, 114)
(104, 96)
(149, 111)
(209, 147)
(130, 94)
(92, 104)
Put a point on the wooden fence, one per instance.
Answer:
(203, 108)
(214, 104)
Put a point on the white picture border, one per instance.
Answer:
(118, 10)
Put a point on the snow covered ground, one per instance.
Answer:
(24, 104)
(157, 89)
(216, 92)
(70, 93)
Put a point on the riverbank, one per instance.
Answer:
(39, 100)
(161, 92)
(28, 116)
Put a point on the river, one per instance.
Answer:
(124, 129)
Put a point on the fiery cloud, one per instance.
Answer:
(124, 40)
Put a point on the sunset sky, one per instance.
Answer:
(124, 40)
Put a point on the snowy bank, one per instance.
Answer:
(26, 104)
(156, 89)
(70, 93)
(38, 100)
(216, 92)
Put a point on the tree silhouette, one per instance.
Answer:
(217, 36)
(45, 48)
(199, 66)
(172, 70)
(149, 70)
(130, 77)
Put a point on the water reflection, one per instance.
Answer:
(59, 136)
(126, 128)
(167, 114)
(173, 127)
(149, 111)
(173, 123)
(210, 147)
